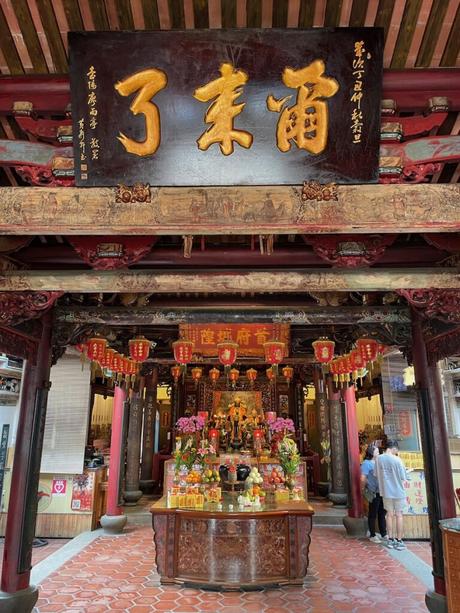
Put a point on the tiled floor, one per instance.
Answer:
(40, 553)
(422, 549)
(115, 574)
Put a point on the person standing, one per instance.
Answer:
(372, 495)
(391, 475)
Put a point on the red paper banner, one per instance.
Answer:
(250, 337)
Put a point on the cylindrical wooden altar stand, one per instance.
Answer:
(451, 544)
(232, 549)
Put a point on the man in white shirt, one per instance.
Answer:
(391, 475)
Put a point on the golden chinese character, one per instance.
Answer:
(261, 335)
(243, 336)
(207, 336)
(306, 122)
(224, 335)
(222, 112)
(150, 82)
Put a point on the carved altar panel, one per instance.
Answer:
(223, 548)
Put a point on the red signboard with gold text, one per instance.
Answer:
(249, 337)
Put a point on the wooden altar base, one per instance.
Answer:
(232, 550)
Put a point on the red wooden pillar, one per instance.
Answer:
(114, 520)
(436, 456)
(17, 594)
(356, 501)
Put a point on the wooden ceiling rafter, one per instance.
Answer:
(418, 33)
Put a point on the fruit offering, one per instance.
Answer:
(254, 478)
(210, 476)
(193, 477)
(276, 477)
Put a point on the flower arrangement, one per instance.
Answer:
(190, 425)
(281, 425)
(205, 452)
(185, 454)
(289, 458)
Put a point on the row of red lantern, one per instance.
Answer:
(367, 351)
(233, 374)
(227, 352)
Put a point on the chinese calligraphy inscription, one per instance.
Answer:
(306, 122)
(222, 112)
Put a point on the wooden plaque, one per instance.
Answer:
(226, 107)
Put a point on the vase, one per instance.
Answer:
(290, 482)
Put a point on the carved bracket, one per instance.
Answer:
(111, 253)
(348, 250)
(17, 344)
(16, 307)
(443, 304)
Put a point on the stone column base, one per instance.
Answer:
(339, 500)
(436, 603)
(113, 524)
(23, 601)
(324, 488)
(147, 486)
(131, 497)
(356, 527)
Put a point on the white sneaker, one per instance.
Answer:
(399, 545)
(374, 539)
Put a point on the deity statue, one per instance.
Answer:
(237, 414)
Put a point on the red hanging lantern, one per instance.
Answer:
(288, 373)
(357, 363)
(334, 369)
(197, 373)
(183, 351)
(139, 348)
(274, 353)
(381, 350)
(368, 348)
(234, 375)
(214, 374)
(117, 362)
(227, 352)
(324, 350)
(96, 348)
(271, 376)
(107, 358)
(175, 372)
(251, 375)
(343, 369)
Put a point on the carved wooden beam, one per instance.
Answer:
(230, 210)
(22, 306)
(443, 304)
(148, 316)
(153, 281)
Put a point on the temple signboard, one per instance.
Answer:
(220, 107)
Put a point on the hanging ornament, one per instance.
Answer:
(357, 363)
(271, 376)
(227, 352)
(197, 373)
(118, 365)
(176, 372)
(324, 350)
(288, 373)
(234, 375)
(107, 358)
(139, 348)
(251, 375)
(334, 370)
(368, 348)
(274, 353)
(96, 348)
(214, 374)
(183, 353)
(344, 372)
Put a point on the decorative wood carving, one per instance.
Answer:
(348, 250)
(243, 210)
(313, 190)
(373, 279)
(41, 128)
(16, 344)
(16, 307)
(247, 548)
(432, 149)
(139, 192)
(443, 346)
(43, 176)
(148, 316)
(107, 253)
(441, 304)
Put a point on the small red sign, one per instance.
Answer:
(59, 487)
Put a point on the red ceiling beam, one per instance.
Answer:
(410, 88)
